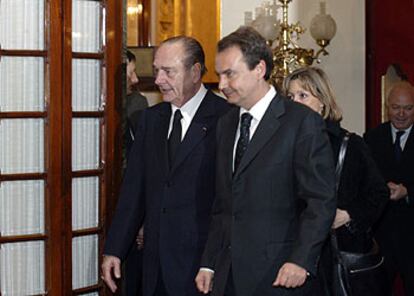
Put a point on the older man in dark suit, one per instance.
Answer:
(169, 181)
(275, 198)
(392, 145)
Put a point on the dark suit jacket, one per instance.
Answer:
(135, 103)
(380, 142)
(278, 206)
(397, 224)
(362, 191)
(173, 204)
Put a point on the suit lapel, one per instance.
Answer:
(409, 145)
(160, 135)
(198, 129)
(230, 124)
(388, 142)
(264, 132)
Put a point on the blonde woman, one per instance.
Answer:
(362, 192)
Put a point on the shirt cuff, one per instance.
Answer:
(206, 269)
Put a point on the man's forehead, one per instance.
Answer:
(169, 55)
(401, 98)
(401, 91)
(229, 59)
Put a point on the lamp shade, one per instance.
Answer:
(268, 26)
(323, 26)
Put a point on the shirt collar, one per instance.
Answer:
(258, 110)
(189, 109)
(394, 130)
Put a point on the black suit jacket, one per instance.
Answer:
(380, 142)
(135, 103)
(175, 204)
(278, 206)
(362, 191)
(395, 228)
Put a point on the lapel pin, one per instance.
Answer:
(204, 129)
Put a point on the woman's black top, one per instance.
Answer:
(362, 191)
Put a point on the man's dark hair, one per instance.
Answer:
(193, 49)
(130, 56)
(252, 45)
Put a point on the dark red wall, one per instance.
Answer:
(390, 40)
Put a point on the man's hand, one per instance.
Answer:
(290, 275)
(111, 264)
(398, 191)
(204, 281)
(342, 217)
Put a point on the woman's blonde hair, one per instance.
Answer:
(315, 81)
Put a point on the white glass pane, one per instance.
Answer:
(22, 207)
(85, 202)
(21, 146)
(84, 261)
(22, 268)
(86, 28)
(21, 84)
(86, 85)
(85, 144)
(22, 24)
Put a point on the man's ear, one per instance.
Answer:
(260, 69)
(196, 72)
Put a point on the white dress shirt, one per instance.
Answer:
(257, 112)
(403, 138)
(188, 110)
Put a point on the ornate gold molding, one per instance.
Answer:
(192, 18)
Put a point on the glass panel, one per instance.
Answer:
(22, 207)
(86, 85)
(21, 84)
(21, 146)
(22, 24)
(84, 261)
(85, 202)
(22, 268)
(85, 143)
(86, 26)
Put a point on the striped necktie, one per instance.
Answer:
(244, 138)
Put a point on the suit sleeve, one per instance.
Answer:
(215, 235)
(369, 188)
(130, 207)
(315, 185)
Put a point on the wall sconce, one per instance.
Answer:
(135, 9)
(283, 37)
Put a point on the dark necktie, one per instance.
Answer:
(175, 136)
(397, 145)
(244, 138)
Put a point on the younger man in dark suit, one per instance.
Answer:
(134, 104)
(135, 101)
(169, 180)
(392, 146)
(275, 200)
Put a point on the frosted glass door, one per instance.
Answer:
(88, 106)
(22, 147)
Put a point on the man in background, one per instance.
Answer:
(135, 101)
(392, 146)
(169, 181)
